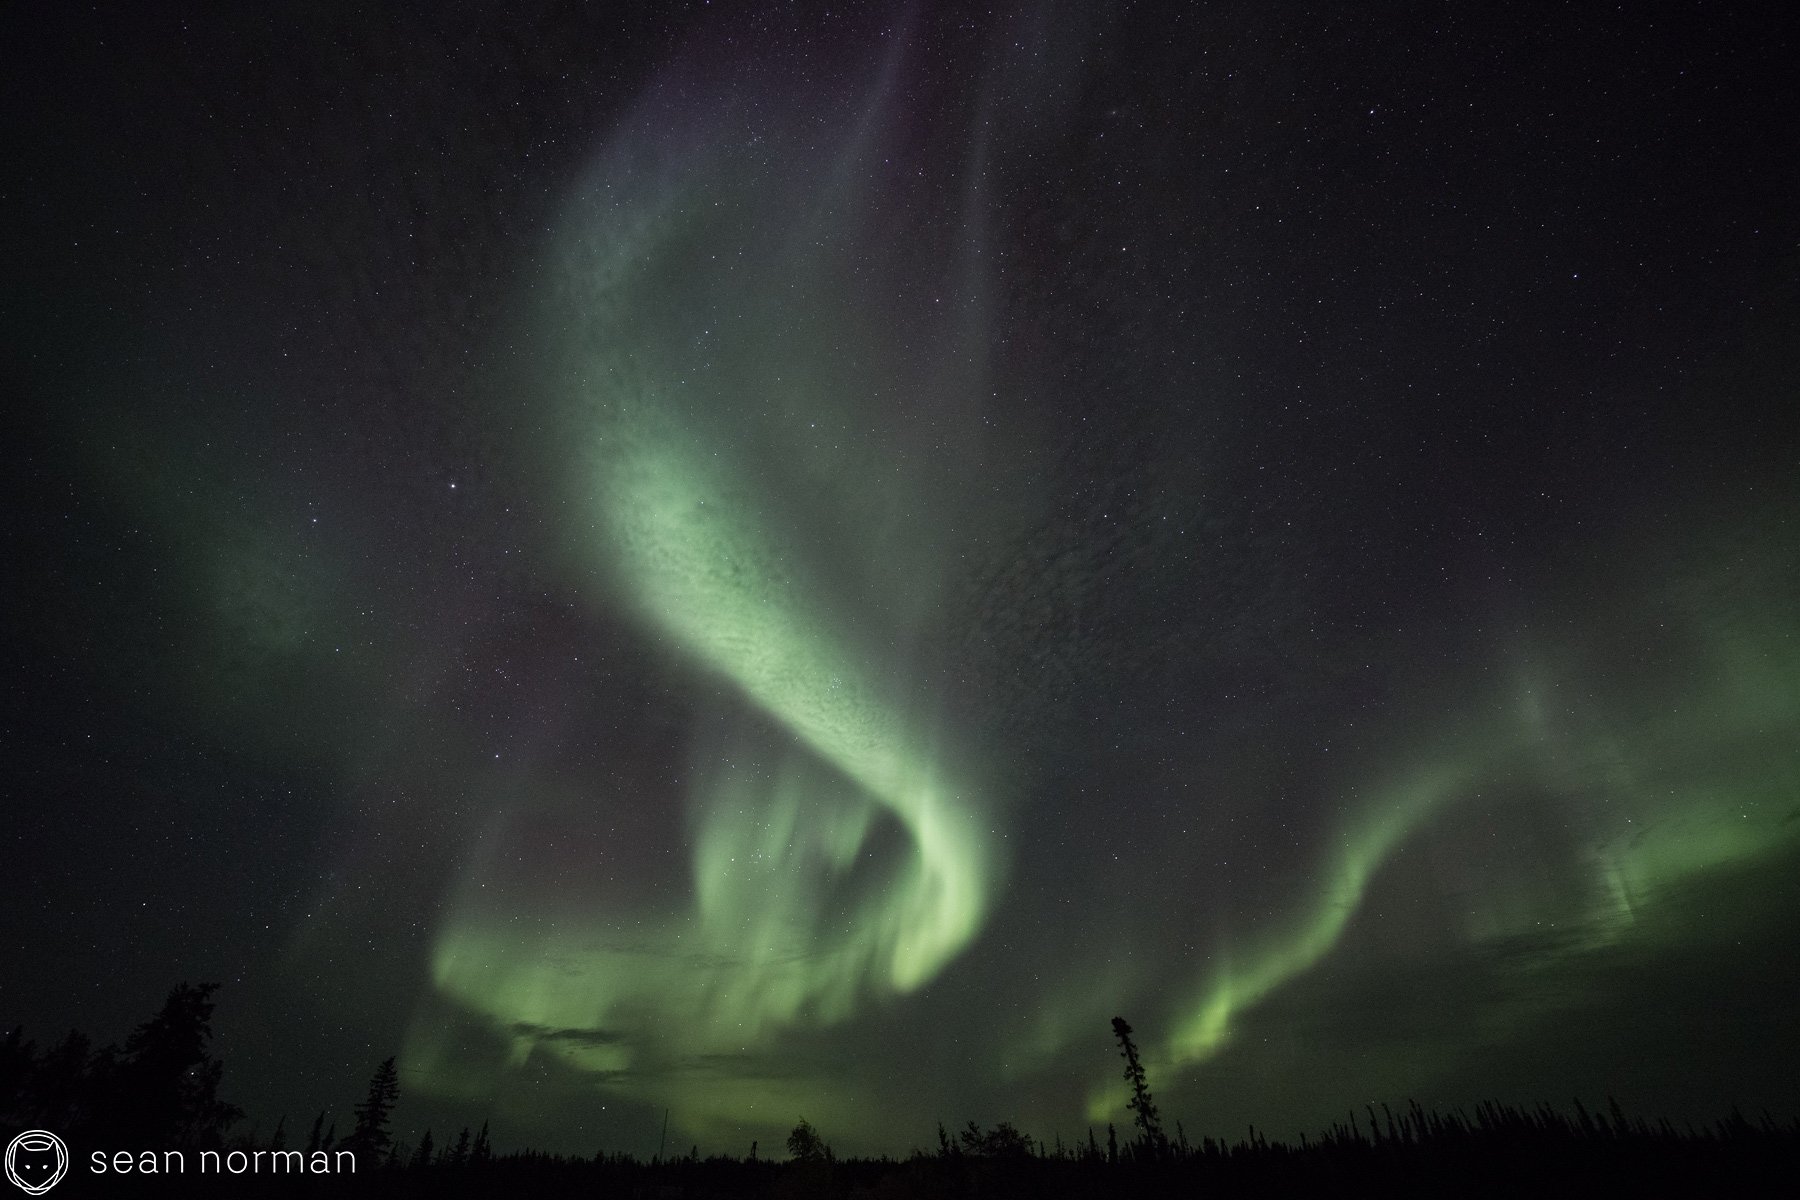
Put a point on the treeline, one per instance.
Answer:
(160, 1090)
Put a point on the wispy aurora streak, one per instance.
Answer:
(1656, 786)
(723, 440)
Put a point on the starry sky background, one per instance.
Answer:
(764, 561)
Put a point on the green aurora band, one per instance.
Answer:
(841, 854)
(1697, 775)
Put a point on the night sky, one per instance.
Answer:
(756, 561)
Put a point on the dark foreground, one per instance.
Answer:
(1495, 1151)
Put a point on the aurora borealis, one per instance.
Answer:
(747, 563)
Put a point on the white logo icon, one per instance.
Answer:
(36, 1160)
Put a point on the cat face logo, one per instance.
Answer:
(36, 1160)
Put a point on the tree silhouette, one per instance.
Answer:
(1140, 1103)
(805, 1144)
(164, 1089)
(61, 1091)
(370, 1137)
(423, 1157)
(481, 1152)
(1002, 1141)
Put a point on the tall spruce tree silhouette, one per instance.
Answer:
(370, 1137)
(1141, 1105)
(481, 1151)
(163, 1090)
